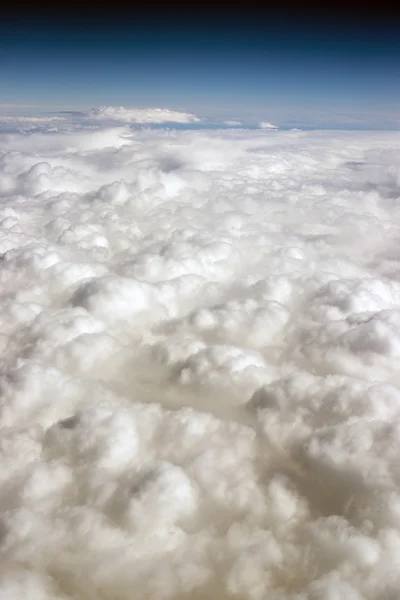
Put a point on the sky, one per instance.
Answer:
(303, 66)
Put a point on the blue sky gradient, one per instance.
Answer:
(306, 69)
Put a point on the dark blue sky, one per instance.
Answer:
(300, 66)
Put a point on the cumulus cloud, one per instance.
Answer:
(266, 125)
(200, 350)
(142, 115)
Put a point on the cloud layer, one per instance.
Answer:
(200, 346)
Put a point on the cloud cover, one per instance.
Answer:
(200, 342)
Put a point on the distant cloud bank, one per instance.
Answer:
(142, 115)
(266, 125)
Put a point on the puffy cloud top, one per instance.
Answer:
(200, 365)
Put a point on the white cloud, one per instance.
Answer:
(200, 349)
(266, 125)
(142, 115)
(233, 123)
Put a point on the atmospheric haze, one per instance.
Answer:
(200, 352)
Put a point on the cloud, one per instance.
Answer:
(266, 125)
(200, 349)
(233, 123)
(142, 115)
